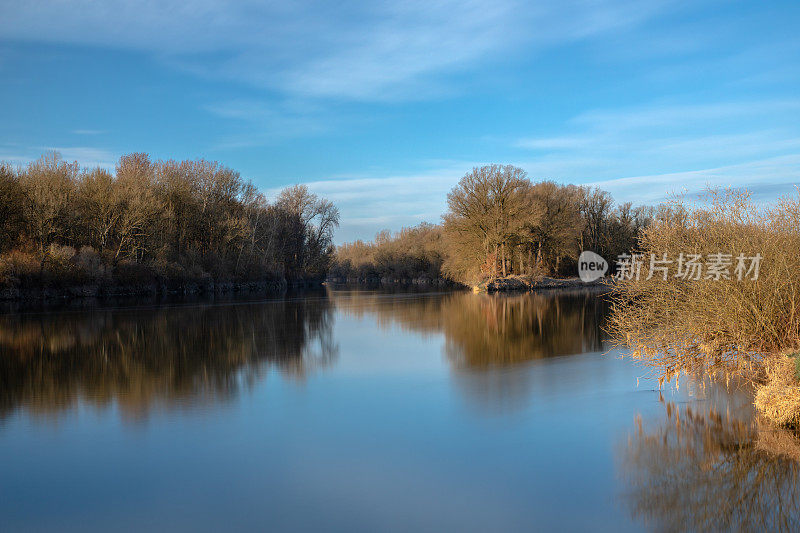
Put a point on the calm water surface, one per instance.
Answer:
(357, 410)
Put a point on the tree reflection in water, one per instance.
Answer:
(182, 356)
(497, 331)
(485, 330)
(489, 336)
(712, 468)
(173, 356)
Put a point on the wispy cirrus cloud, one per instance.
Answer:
(370, 203)
(765, 179)
(86, 155)
(359, 50)
(666, 138)
(683, 114)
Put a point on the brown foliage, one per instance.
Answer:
(706, 325)
(779, 398)
(170, 219)
(412, 253)
(723, 326)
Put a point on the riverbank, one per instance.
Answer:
(502, 284)
(530, 283)
(395, 282)
(65, 293)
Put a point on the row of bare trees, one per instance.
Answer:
(500, 223)
(415, 253)
(174, 219)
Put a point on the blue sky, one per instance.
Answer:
(383, 106)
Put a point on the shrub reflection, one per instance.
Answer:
(713, 469)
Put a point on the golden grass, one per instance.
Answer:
(778, 399)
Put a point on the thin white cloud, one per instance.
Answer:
(370, 204)
(86, 156)
(554, 143)
(665, 138)
(681, 115)
(363, 50)
(15, 159)
(775, 176)
(263, 123)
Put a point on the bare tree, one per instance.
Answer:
(11, 208)
(487, 209)
(48, 186)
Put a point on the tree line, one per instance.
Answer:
(500, 223)
(168, 220)
(411, 253)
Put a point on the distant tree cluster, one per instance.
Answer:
(170, 220)
(500, 223)
(411, 254)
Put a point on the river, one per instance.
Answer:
(356, 410)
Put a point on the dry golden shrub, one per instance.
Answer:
(724, 326)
